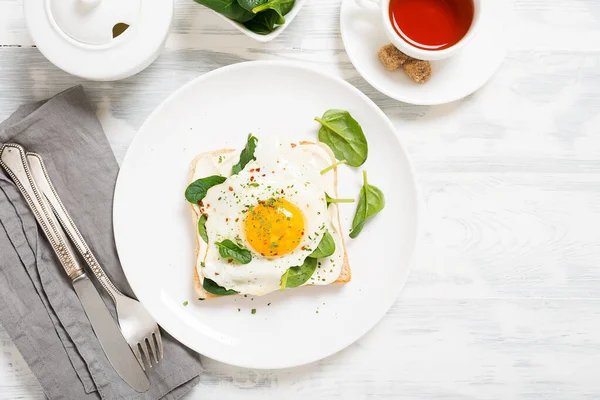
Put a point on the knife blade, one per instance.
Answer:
(13, 160)
(109, 335)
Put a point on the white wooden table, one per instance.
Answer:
(504, 297)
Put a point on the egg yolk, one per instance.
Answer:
(274, 227)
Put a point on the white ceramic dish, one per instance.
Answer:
(451, 79)
(156, 238)
(266, 38)
(49, 21)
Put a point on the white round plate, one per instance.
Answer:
(155, 234)
(451, 79)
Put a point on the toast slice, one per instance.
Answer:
(201, 294)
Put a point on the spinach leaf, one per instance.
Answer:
(251, 4)
(274, 5)
(246, 155)
(212, 287)
(260, 16)
(283, 283)
(196, 191)
(330, 200)
(325, 248)
(202, 228)
(264, 22)
(287, 5)
(370, 203)
(344, 136)
(297, 276)
(228, 249)
(229, 8)
(256, 6)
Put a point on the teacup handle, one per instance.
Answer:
(371, 4)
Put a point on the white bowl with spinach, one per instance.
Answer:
(262, 20)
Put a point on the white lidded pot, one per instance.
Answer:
(101, 40)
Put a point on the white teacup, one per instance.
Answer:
(416, 52)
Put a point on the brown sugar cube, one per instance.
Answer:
(418, 70)
(391, 57)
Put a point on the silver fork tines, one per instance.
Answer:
(156, 348)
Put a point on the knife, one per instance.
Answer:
(13, 160)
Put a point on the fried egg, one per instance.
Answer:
(276, 208)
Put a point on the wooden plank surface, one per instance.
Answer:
(504, 298)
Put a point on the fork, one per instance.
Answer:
(139, 328)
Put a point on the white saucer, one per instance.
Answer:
(451, 79)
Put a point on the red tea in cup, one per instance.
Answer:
(431, 24)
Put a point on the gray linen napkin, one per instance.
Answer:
(38, 307)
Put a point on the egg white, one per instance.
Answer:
(289, 172)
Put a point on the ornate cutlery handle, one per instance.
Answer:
(40, 174)
(14, 161)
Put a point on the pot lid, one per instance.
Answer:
(94, 22)
(99, 39)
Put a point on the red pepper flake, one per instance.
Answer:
(293, 145)
(230, 189)
(275, 254)
(229, 261)
(264, 174)
(200, 203)
(252, 170)
(237, 219)
(252, 178)
(281, 191)
(257, 169)
(216, 274)
(226, 219)
(303, 248)
(302, 233)
(208, 205)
